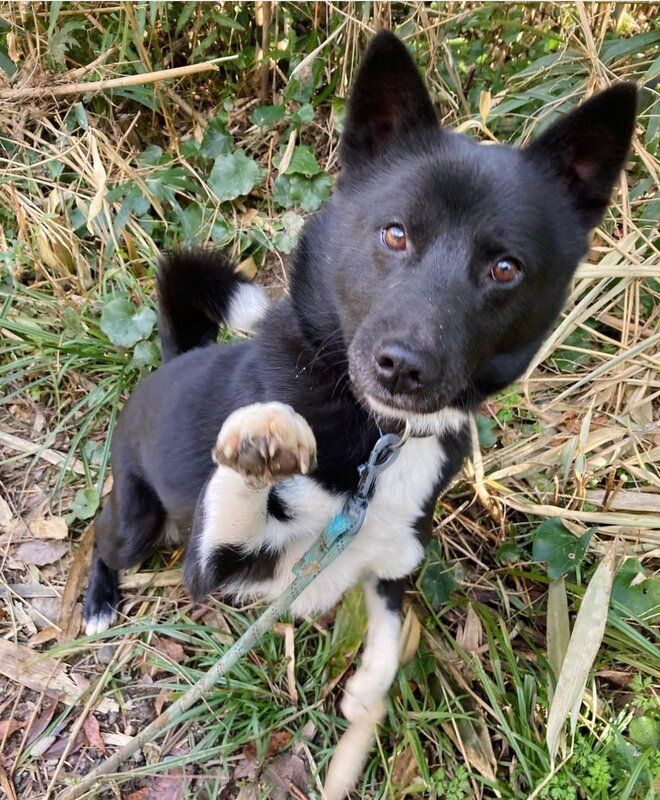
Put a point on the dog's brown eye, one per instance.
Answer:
(505, 271)
(394, 237)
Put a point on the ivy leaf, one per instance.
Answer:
(485, 429)
(216, 141)
(286, 240)
(145, 354)
(190, 148)
(300, 89)
(234, 175)
(297, 190)
(93, 451)
(645, 733)
(508, 553)
(303, 162)
(305, 114)
(150, 156)
(282, 192)
(636, 591)
(437, 580)
(310, 194)
(86, 503)
(267, 115)
(558, 547)
(124, 325)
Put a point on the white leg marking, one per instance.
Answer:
(257, 446)
(350, 754)
(100, 622)
(380, 659)
(364, 698)
(234, 513)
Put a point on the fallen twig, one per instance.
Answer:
(64, 90)
(31, 448)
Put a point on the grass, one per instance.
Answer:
(94, 185)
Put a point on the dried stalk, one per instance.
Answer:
(31, 92)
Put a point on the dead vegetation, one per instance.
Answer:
(94, 181)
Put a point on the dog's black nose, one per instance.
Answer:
(401, 370)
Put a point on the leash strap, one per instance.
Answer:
(345, 525)
(334, 539)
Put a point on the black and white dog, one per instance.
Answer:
(425, 284)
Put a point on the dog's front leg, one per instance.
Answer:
(380, 658)
(363, 703)
(257, 446)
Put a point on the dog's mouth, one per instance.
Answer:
(388, 408)
(422, 423)
(428, 411)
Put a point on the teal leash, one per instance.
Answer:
(335, 538)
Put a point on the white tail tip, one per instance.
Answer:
(247, 307)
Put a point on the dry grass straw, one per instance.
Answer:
(592, 433)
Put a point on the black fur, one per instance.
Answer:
(102, 596)
(392, 591)
(464, 206)
(456, 447)
(195, 288)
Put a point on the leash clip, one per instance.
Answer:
(343, 526)
(384, 452)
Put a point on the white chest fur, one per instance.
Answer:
(387, 546)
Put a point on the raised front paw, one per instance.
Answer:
(265, 443)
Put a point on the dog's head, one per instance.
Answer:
(446, 260)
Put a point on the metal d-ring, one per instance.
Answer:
(407, 428)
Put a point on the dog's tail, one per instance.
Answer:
(199, 290)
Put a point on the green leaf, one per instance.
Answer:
(86, 503)
(558, 547)
(303, 162)
(311, 194)
(286, 240)
(187, 10)
(216, 141)
(54, 13)
(508, 553)
(228, 22)
(299, 89)
(485, 429)
(80, 115)
(125, 325)
(151, 155)
(234, 175)
(282, 192)
(645, 733)
(303, 115)
(6, 64)
(617, 48)
(93, 451)
(145, 354)
(636, 591)
(190, 148)
(652, 72)
(437, 580)
(145, 95)
(267, 115)
(308, 193)
(347, 632)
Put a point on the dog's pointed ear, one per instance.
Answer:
(388, 99)
(587, 148)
